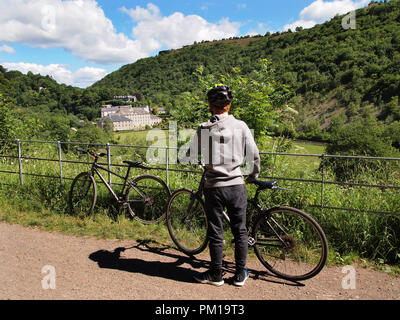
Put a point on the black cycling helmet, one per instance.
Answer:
(220, 96)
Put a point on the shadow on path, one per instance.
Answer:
(170, 270)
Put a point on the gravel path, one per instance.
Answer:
(87, 268)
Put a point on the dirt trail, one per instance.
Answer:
(87, 268)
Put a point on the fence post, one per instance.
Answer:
(322, 180)
(21, 175)
(167, 164)
(60, 162)
(109, 164)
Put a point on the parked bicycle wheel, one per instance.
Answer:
(147, 199)
(290, 243)
(187, 222)
(83, 194)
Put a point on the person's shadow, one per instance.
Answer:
(168, 270)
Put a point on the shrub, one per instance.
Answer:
(365, 137)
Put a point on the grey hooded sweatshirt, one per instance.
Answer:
(224, 144)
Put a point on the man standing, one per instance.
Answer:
(224, 142)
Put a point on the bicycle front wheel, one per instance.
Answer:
(187, 222)
(147, 198)
(83, 194)
(290, 243)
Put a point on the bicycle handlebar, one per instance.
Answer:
(272, 185)
(93, 154)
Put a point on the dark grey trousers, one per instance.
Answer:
(234, 199)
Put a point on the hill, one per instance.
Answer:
(333, 72)
(43, 94)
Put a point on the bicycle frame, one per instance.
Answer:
(95, 169)
(253, 201)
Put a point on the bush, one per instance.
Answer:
(365, 137)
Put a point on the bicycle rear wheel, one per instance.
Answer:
(147, 199)
(83, 194)
(187, 222)
(290, 243)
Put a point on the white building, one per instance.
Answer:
(128, 117)
(133, 98)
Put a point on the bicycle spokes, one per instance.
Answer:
(147, 198)
(83, 195)
(289, 244)
(187, 222)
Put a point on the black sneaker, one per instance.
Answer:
(240, 278)
(209, 277)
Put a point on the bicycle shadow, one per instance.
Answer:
(171, 270)
(168, 270)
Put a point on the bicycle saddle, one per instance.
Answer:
(265, 184)
(134, 164)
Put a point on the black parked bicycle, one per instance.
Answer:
(145, 197)
(287, 241)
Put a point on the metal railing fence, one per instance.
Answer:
(167, 168)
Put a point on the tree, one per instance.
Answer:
(392, 109)
(91, 134)
(355, 140)
(108, 126)
(7, 129)
(190, 110)
(259, 99)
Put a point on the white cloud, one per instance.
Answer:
(154, 31)
(83, 77)
(300, 23)
(79, 26)
(151, 13)
(7, 49)
(322, 10)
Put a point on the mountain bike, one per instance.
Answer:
(145, 197)
(287, 241)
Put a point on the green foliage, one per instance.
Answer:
(366, 137)
(391, 109)
(392, 132)
(190, 110)
(312, 131)
(36, 107)
(257, 98)
(6, 120)
(91, 134)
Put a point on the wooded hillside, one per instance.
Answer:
(332, 71)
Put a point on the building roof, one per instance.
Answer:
(115, 118)
(126, 109)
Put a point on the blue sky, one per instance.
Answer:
(78, 42)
